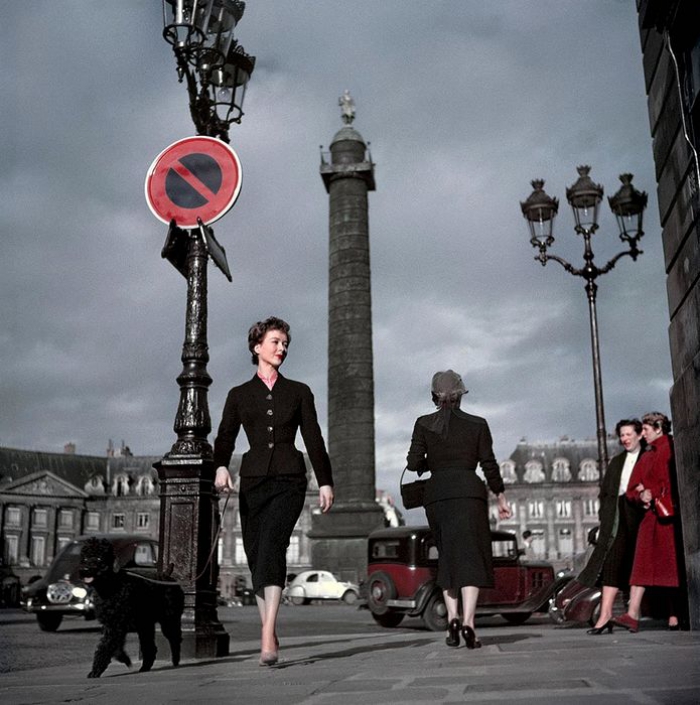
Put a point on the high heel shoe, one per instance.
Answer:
(607, 627)
(453, 633)
(470, 638)
(627, 622)
(268, 658)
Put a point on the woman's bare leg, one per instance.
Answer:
(634, 608)
(470, 595)
(607, 601)
(268, 606)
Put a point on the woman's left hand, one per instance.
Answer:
(325, 498)
(504, 510)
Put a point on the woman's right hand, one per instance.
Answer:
(504, 510)
(223, 481)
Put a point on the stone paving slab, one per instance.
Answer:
(521, 665)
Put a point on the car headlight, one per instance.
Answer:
(80, 592)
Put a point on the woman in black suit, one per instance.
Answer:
(272, 489)
(450, 444)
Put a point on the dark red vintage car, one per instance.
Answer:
(402, 565)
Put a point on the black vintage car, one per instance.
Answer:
(61, 592)
(402, 565)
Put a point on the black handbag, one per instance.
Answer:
(412, 493)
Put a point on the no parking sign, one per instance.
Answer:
(196, 177)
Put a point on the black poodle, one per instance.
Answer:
(125, 602)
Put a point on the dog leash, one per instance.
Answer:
(209, 558)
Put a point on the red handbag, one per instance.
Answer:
(663, 506)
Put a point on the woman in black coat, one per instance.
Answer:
(272, 489)
(611, 561)
(450, 444)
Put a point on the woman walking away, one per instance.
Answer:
(272, 490)
(450, 444)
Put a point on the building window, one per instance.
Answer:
(508, 472)
(145, 486)
(566, 543)
(120, 487)
(588, 472)
(293, 550)
(143, 520)
(118, 521)
(63, 541)
(560, 470)
(11, 549)
(239, 554)
(13, 516)
(38, 550)
(65, 519)
(535, 509)
(40, 517)
(92, 521)
(563, 508)
(533, 471)
(591, 507)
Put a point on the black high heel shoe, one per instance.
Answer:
(453, 633)
(607, 627)
(470, 638)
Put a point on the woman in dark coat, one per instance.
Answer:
(655, 559)
(611, 561)
(272, 490)
(450, 444)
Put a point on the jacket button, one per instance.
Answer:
(270, 429)
(270, 445)
(268, 397)
(269, 412)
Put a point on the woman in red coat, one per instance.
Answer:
(655, 561)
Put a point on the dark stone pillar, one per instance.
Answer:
(188, 511)
(340, 537)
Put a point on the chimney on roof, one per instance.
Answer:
(69, 448)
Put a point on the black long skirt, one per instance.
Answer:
(269, 509)
(463, 538)
(617, 565)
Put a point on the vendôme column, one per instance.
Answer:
(340, 537)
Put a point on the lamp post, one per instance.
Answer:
(216, 70)
(584, 197)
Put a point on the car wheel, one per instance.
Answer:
(389, 620)
(380, 589)
(435, 614)
(516, 617)
(349, 597)
(49, 621)
(298, 600)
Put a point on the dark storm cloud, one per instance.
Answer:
(464, 102)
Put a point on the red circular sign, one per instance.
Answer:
(197, 177)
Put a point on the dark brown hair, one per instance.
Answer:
(258, 330)
(636, 423)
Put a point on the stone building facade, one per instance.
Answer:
(553, 490)
(49, 499)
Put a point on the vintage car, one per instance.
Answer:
(402, 565)
(319, 585)
(61, 592)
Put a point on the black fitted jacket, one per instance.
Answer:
(270, 419)
(452, 461)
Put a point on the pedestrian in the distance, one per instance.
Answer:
(655, 559)
(610, 563)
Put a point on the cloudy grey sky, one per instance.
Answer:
(464, 102)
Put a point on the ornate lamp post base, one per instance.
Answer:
(188, 533)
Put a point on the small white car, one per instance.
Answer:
(320, 585)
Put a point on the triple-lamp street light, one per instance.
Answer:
(584, 197)
(216, 70)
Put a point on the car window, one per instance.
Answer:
(385, 549)
(66, 564)
(146, 554)
(313, 578)
(504, 549)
